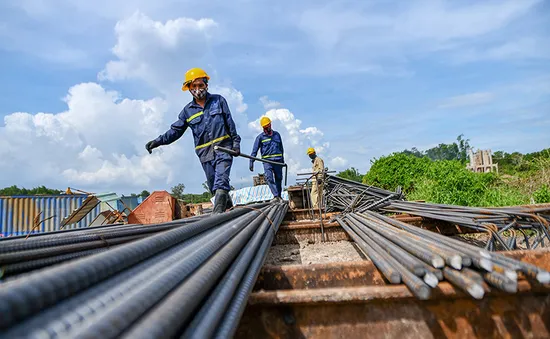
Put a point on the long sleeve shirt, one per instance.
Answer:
(270, 147)
(318, 168)
(211, 126)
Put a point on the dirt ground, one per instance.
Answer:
(307, 253)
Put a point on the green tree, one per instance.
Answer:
(40, 190)
(144, 194)
(177, 191)
(351, 174)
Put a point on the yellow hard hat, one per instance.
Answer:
(192, 74)
(264, 121)
(310, 150)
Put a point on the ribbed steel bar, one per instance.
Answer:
(72, 311)
(22, 256)
(172, 314)
(381, 263)
(451, 257)
(207, 319)
(27, 266)
(416, 285)
(33, 292)
(406, 259)
(229, 323)
(134, 304)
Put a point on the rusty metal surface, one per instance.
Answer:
(493, 317)
(296, 232)
(346, 274)
(351, 300)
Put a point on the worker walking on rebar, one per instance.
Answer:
(317, 177)
(210, 120)
(270, 144)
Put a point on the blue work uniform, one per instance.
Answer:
(271, 148)
(212, 125)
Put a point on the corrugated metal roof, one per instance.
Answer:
(18, 214)
(87, 206)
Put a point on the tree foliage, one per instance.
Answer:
(40, 190)
(177, 191)
(456, 151)
(351, 174)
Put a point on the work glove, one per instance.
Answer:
(151, 145)
(237, 150)
(251, 166)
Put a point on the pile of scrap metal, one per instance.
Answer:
(420, 258)
(188, 277)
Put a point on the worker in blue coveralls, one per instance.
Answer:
(270, 145)
(209, 118)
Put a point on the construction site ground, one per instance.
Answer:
(314, 289)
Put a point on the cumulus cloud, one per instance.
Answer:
(338, 163)
(269, 104)
(97, 142)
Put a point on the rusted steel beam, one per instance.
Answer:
(349, 274)
(350, 300)
(309, 233)
(494, 317)
(346, 274)
(375, 294)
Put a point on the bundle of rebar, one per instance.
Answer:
(22, 254)
(532, 222)
(349, 196)
(420, 258)
(188, 280)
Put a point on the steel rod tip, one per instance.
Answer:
(543, 277)
(395, 278)
(430, 279)
(476, 291)
(512, 275)
(486, 264)
(511, 287)
(422, 292)
(456, 262)
(438, 262)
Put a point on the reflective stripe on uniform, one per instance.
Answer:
(195, 116)
(272, 156)
(212, 142)
(266, 140)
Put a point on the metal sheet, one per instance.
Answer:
(19, 214)
(77, 215)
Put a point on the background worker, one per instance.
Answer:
(317, 178)
(270, 144)
(210, 120)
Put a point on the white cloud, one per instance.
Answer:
(269, 104)
(151, 51)
(471, 99)
(339, 163)
(97, 142)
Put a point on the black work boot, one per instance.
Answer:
(229, 203)
(220, 201)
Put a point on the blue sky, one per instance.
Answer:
(355, 79)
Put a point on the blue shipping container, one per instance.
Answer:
(19, 214)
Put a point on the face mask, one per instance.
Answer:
(267, 130)
(312, 156)
(199, 93)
